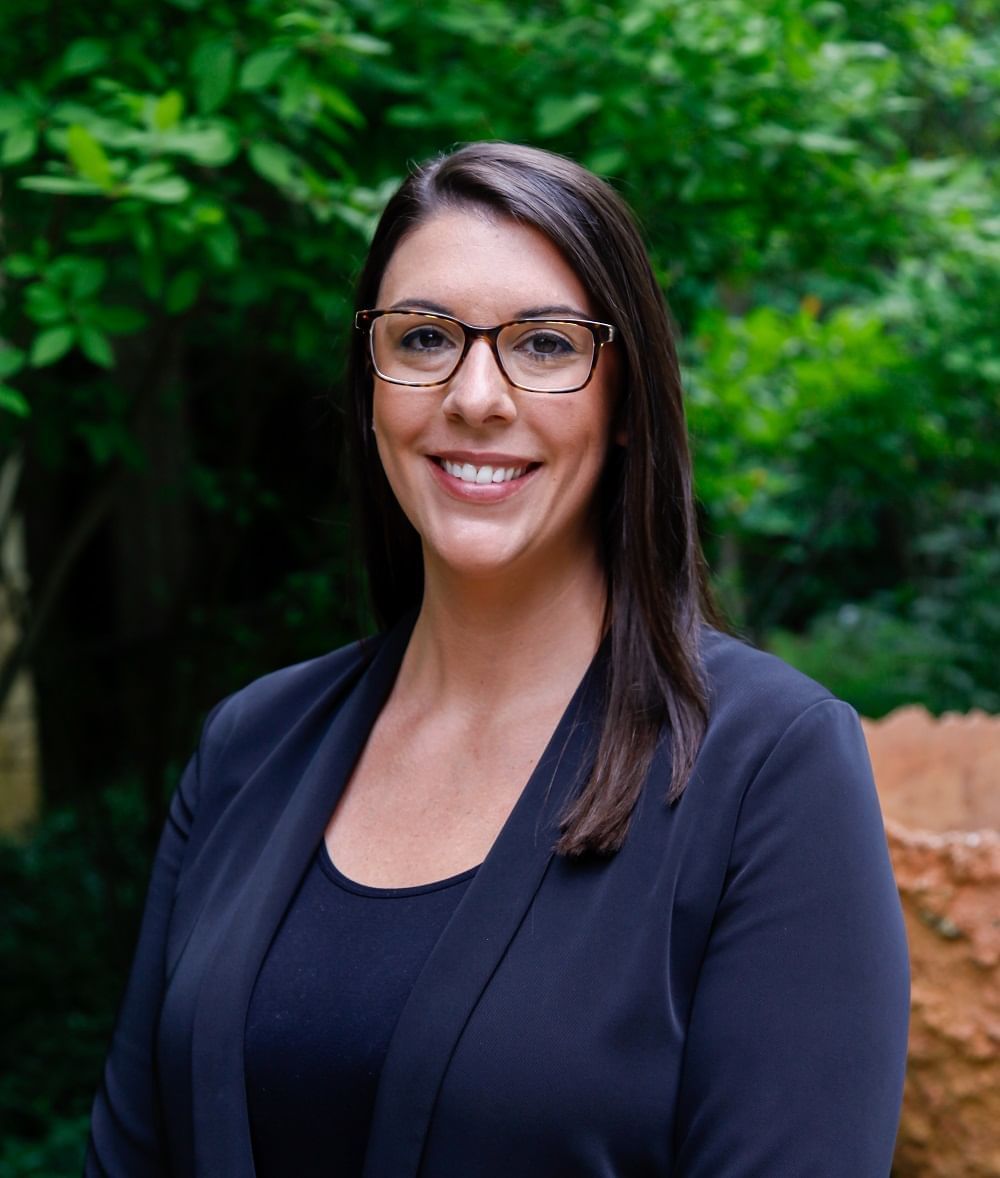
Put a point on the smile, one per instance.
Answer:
(481, 474)
(483, 482)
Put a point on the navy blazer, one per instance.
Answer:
(726, 997)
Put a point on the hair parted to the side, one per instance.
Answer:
(657, 591)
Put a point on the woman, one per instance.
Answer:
(552, 878)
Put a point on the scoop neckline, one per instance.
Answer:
(333, 872)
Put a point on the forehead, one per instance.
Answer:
(483, 268)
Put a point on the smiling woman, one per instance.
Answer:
(525, 884)
(441, 443)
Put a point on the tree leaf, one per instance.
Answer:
(408, 114)
(51, 345)
(212, 66)
(364, 45)
(273, 162)
(83, 56)
(223, 245)
(824, 144)
(13, 402)
(61, 185)
(157, 170)
(261, 68)
(207, 213)
(167, 110)
(87, 278)
(21, 266)
(88, 156)
(210, 145)
(182, 290)
(20, 144)
(607, 161)
(44, 303)
(339, 104)
(11, 361)
(556, 115)
(168, 191)
(96, 346)
(13, 112)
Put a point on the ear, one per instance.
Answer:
(621, 437)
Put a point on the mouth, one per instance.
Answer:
(486, 474)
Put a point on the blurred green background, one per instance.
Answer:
(188, 188)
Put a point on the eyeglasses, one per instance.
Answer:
(421, 349)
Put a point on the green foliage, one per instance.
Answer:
(59, 1152)
(73, 897)
(933, 639)
(872, 658)
(138, 179)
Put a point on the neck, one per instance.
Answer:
(479, 643)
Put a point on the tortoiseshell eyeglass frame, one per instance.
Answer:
(603, 333)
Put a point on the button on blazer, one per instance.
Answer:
(726, 997)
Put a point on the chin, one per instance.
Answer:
(473, 568)
(478, 559)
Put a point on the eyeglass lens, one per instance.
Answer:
(423, 349)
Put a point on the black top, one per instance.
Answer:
(725, 997)
(323, 1010)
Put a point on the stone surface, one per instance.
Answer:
(939, 783)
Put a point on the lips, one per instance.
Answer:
(481, 477)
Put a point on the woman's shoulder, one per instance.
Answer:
(278, 719)
(742, 678)
(753, 691)
(271, 702)
(763, 712)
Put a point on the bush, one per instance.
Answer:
(75, 892)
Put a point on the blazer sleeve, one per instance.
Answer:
(796, 1048)
(127, 1134)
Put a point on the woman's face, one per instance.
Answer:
(434, 442)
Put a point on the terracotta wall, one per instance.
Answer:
(939, 783)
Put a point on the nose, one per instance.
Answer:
(479, 392)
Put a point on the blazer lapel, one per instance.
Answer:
(221, 1121)
(475, 940)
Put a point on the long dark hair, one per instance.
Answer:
(657, 592)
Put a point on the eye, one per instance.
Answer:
(546, 345)
(424, 339)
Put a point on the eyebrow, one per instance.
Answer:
(542, 312)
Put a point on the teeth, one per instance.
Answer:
(482, 474)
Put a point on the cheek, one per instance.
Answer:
(595, 438)
(398, 423)
(396, 420)
(593, 432)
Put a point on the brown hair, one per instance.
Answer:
(657, 592)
